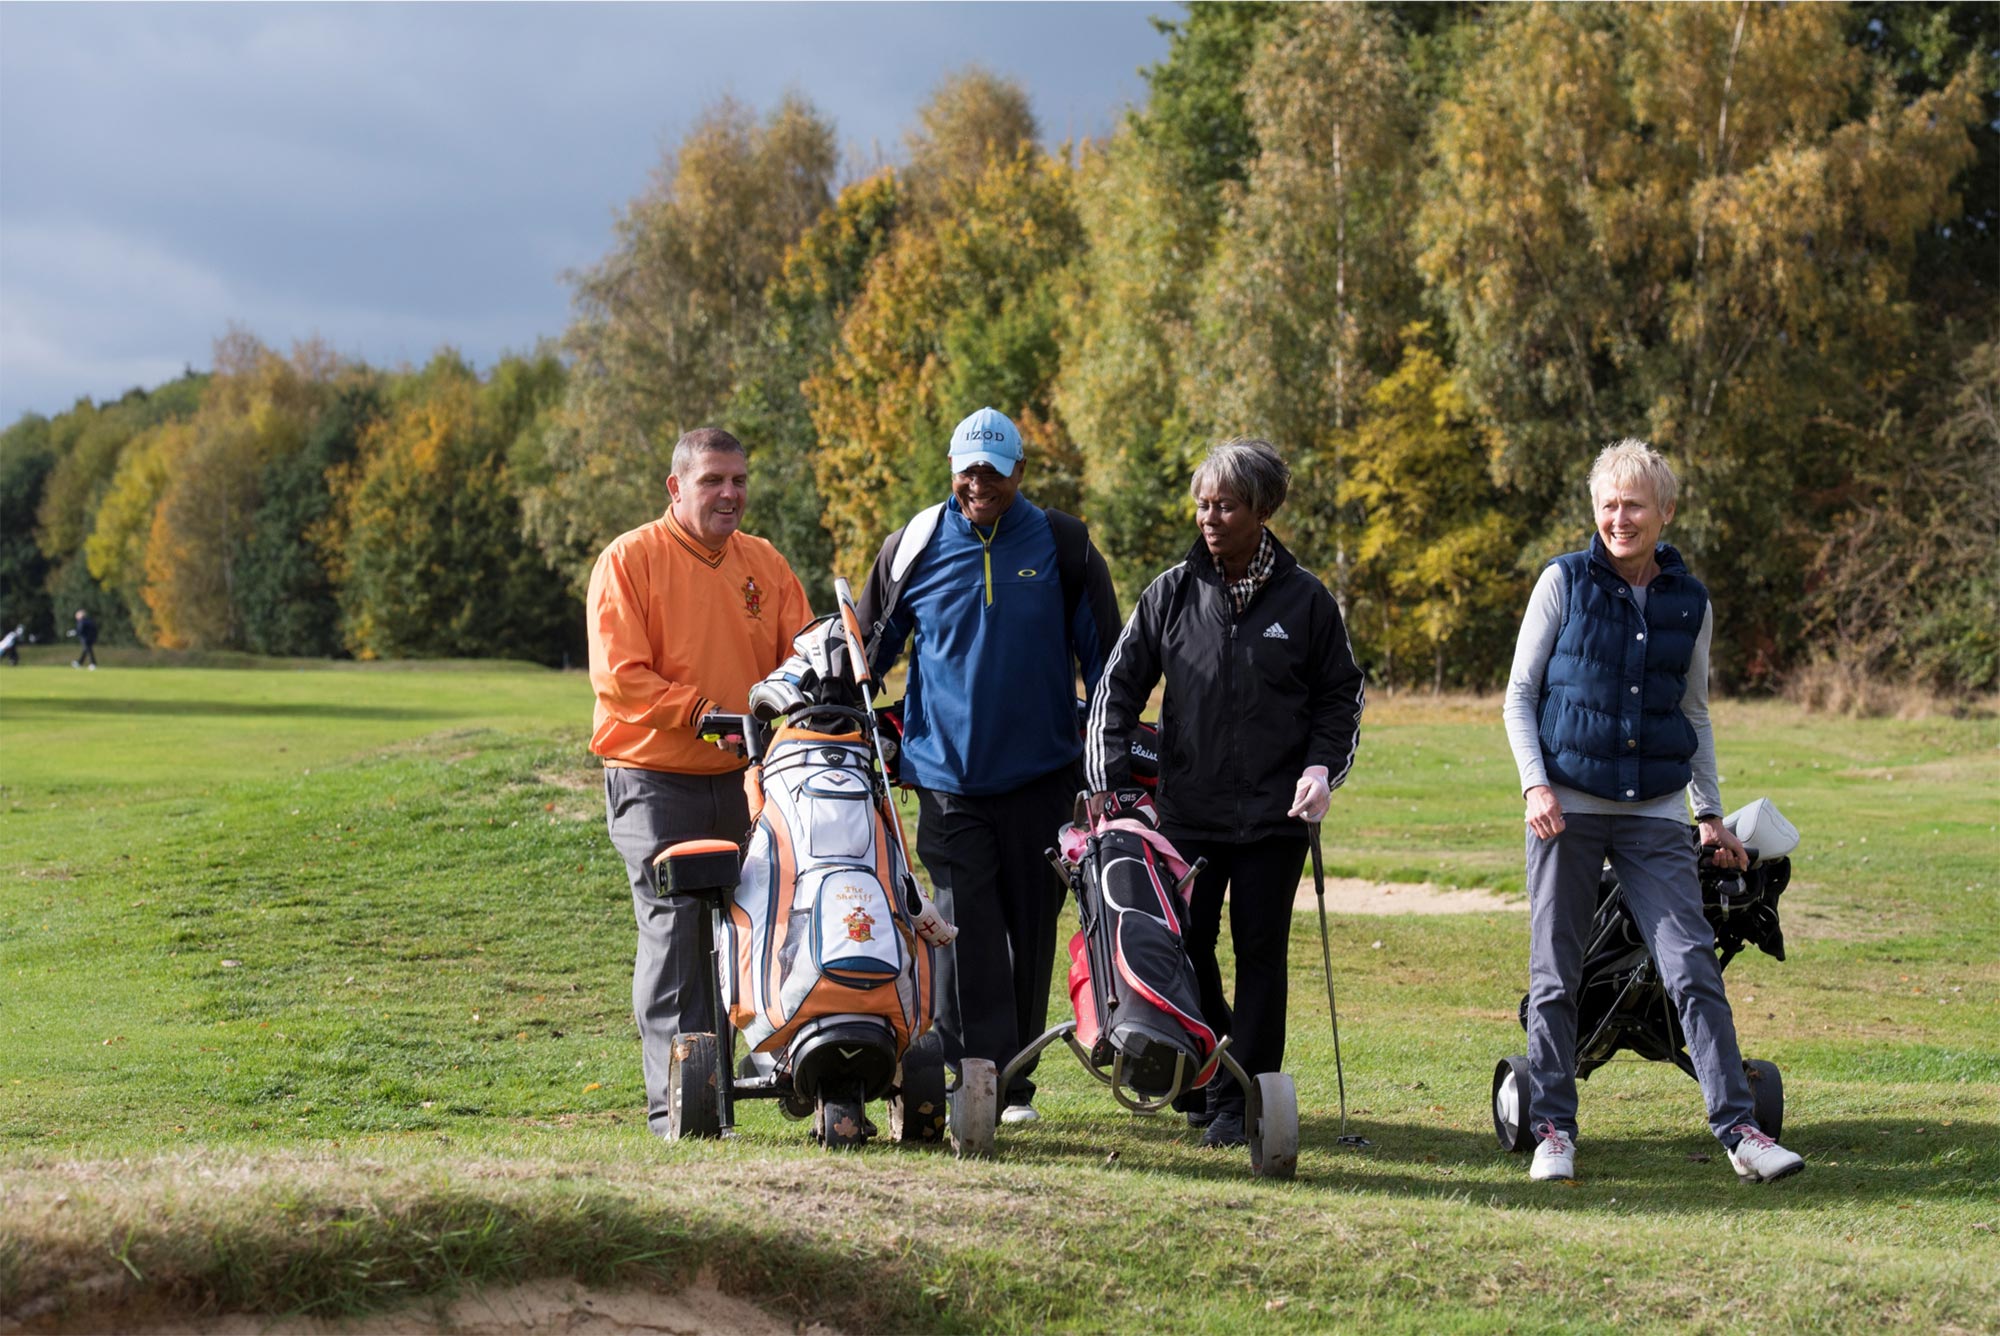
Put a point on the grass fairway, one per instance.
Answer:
(314, 992)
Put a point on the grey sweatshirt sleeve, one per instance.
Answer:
(1704, 789)
(1539, 626)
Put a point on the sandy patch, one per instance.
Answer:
(1354, 895)
(544, 1306)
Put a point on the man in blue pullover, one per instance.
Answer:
(1005, 602)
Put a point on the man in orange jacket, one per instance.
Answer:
(685, 615)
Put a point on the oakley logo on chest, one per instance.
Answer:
(1275, 631)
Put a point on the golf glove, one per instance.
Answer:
(930, 924)
(1310, 798)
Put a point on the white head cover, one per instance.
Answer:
(1761, 826)
(823, 646)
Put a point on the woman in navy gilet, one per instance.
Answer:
(1607, 714)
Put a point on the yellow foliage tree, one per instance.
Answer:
(961, 311)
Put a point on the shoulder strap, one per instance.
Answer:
(909, 544)
(1072, 550)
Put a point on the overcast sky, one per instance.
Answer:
(397, 177)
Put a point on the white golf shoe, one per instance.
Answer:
(1555, 1155)
(1758, 1159)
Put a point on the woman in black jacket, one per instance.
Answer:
(1260, 723)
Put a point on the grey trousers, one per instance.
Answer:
(1656, 863)
(647, 810)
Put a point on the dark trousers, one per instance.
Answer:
(985, 859)
(1262, 879)
(672, 993)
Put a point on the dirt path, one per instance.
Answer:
(1352, 895)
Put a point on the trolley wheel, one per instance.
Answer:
(975, 1108)
(917, 1111)
(841, 1118)
(794, 1106)
(1510, 1104)
(1767, 1096)
(692, 1107)
(1271, 1120)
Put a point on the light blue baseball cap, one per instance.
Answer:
(987, 437)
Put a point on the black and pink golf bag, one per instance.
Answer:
(1138, 1009)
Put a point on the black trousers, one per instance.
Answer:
(986, 863)
(1262, 879)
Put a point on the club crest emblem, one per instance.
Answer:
(753, 600)
(860, 925)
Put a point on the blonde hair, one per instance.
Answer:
(1632, 460)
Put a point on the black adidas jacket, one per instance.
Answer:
(1251, 701)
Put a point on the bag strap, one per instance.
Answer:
(1072, 538)
(902, 550)
(1072, 552)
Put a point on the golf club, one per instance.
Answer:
(1333, 1010)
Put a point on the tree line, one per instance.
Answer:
(1438, 254)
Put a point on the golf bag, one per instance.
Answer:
(819, 944)
(1137, 1006)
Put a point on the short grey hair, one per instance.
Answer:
(1248, 466)
(691, 446)
(1632, 460)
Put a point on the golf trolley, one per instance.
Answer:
(1138, 1028)
(833, 1065)
(817, 936)
(1622, 1004)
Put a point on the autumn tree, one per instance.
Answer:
(257, 408)
(122, 526)
(1905, 583)
(1693, 223)
(662, 321)
(959, 312)
(26, 458)
(824, 272)
(1433, 581)
(1312, 275)
(973, 118)
(284, 590)
(1150, 202)
(425, 542)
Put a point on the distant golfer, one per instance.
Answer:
(86, 637)
(1260, 722)
(684, 615)
(10, 645)
(1607, 714)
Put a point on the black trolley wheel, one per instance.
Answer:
(1767, 1096)
(692, 1073)
(840, 1118)
(918, 1114)
(1510, 1104)
(1271, 1122)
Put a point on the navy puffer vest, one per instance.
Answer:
(1611, 721)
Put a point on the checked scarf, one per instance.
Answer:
(1242, 591)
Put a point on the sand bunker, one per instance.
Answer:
(544, 1306)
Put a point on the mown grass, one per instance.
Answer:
(314, 987)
